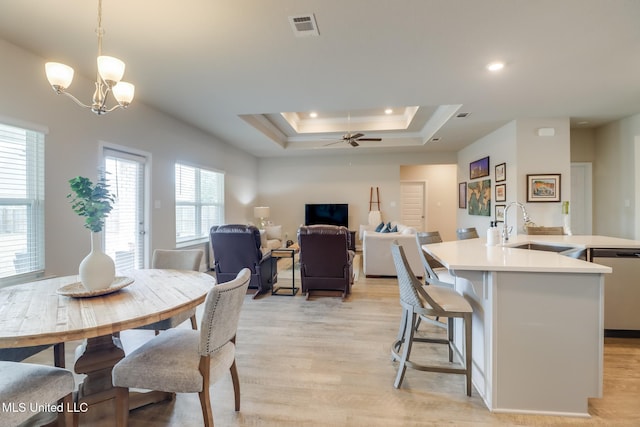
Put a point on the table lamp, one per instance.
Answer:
(261, 212)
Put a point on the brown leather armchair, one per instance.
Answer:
(326, 263)
(236, 246)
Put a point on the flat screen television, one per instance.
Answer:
(326, 213)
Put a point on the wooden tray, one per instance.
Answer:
(77, 290)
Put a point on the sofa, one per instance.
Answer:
(376, 250)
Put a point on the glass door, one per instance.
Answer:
(125, 237)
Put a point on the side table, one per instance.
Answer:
(289, 252)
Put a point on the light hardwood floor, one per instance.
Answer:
(326, 362)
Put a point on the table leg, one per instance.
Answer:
(96, 358)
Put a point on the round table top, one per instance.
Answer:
(35, 314)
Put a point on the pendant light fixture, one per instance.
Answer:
(108, 79)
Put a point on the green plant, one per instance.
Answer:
(94, 202)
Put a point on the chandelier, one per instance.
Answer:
(110, 72)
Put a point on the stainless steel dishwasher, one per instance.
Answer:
(621, 290)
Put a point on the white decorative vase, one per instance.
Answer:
(97, 270)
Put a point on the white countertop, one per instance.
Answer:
(474, 254)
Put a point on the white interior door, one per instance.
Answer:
(412, 204)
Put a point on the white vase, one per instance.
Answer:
(97, 270)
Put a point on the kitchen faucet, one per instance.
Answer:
(505, 227)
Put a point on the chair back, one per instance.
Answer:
(545, 230)
(186, 259)
(467, 233)
(429, 262)
(324, 250)
(411, 291)
(235, 246)
(222, 313)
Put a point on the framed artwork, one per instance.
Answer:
(501, 193)
(479, 168)
(500, 213)
(462, 195)
(543, 188)
(501, 172)
(479, 197)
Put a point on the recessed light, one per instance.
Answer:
(313, 114)
(388, 111)
(495, 66)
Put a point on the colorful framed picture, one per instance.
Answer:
(500, 213)
(543, 188)
(501, 172)
(501, 193)
(479, 197)
(462, 195)
(479, 168)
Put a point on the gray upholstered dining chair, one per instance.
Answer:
(434, 300)
(187, 361)
(467, 233)
(18, 354)
(183, 259)
(24, 386)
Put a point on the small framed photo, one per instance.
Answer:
(501, 193)
(462, 195)
(479, 168)
(543, 187)
(501, 172)
(500, 213)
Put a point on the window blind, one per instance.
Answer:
(21, 202)
(199, 202)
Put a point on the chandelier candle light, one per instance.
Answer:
(108, 80)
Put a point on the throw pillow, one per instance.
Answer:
(389, 227)
(274, 232)
(394, 229)
(385, 229)
(380, 227)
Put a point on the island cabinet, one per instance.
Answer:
(537, 324)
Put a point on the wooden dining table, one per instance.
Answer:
(35, 313)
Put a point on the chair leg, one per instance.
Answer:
(467, 350)
(205, 397)
(122, 406)
(406, 350)
(450, 337)
(66, 418)
(236, 384)
(194, 323)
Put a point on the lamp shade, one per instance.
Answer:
(59, 75)
(111, 69)
(123, 93)
(261, 212)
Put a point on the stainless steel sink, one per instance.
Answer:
(570, 251)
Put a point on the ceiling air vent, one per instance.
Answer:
(462, 115)
(304, 25)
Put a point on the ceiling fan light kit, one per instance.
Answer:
(108, 79)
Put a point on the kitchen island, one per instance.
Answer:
(538, 322)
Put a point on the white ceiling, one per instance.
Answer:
(230, 67)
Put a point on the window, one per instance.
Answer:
(199, 202)
(21, 203)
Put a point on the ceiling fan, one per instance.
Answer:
(352, 139)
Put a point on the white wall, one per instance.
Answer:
(614, 173)
(518, 145)
(71, 149)
(286, 184)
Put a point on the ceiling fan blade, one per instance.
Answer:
(369, 139)
(353, 143)
(356, 136)
(332, 143)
